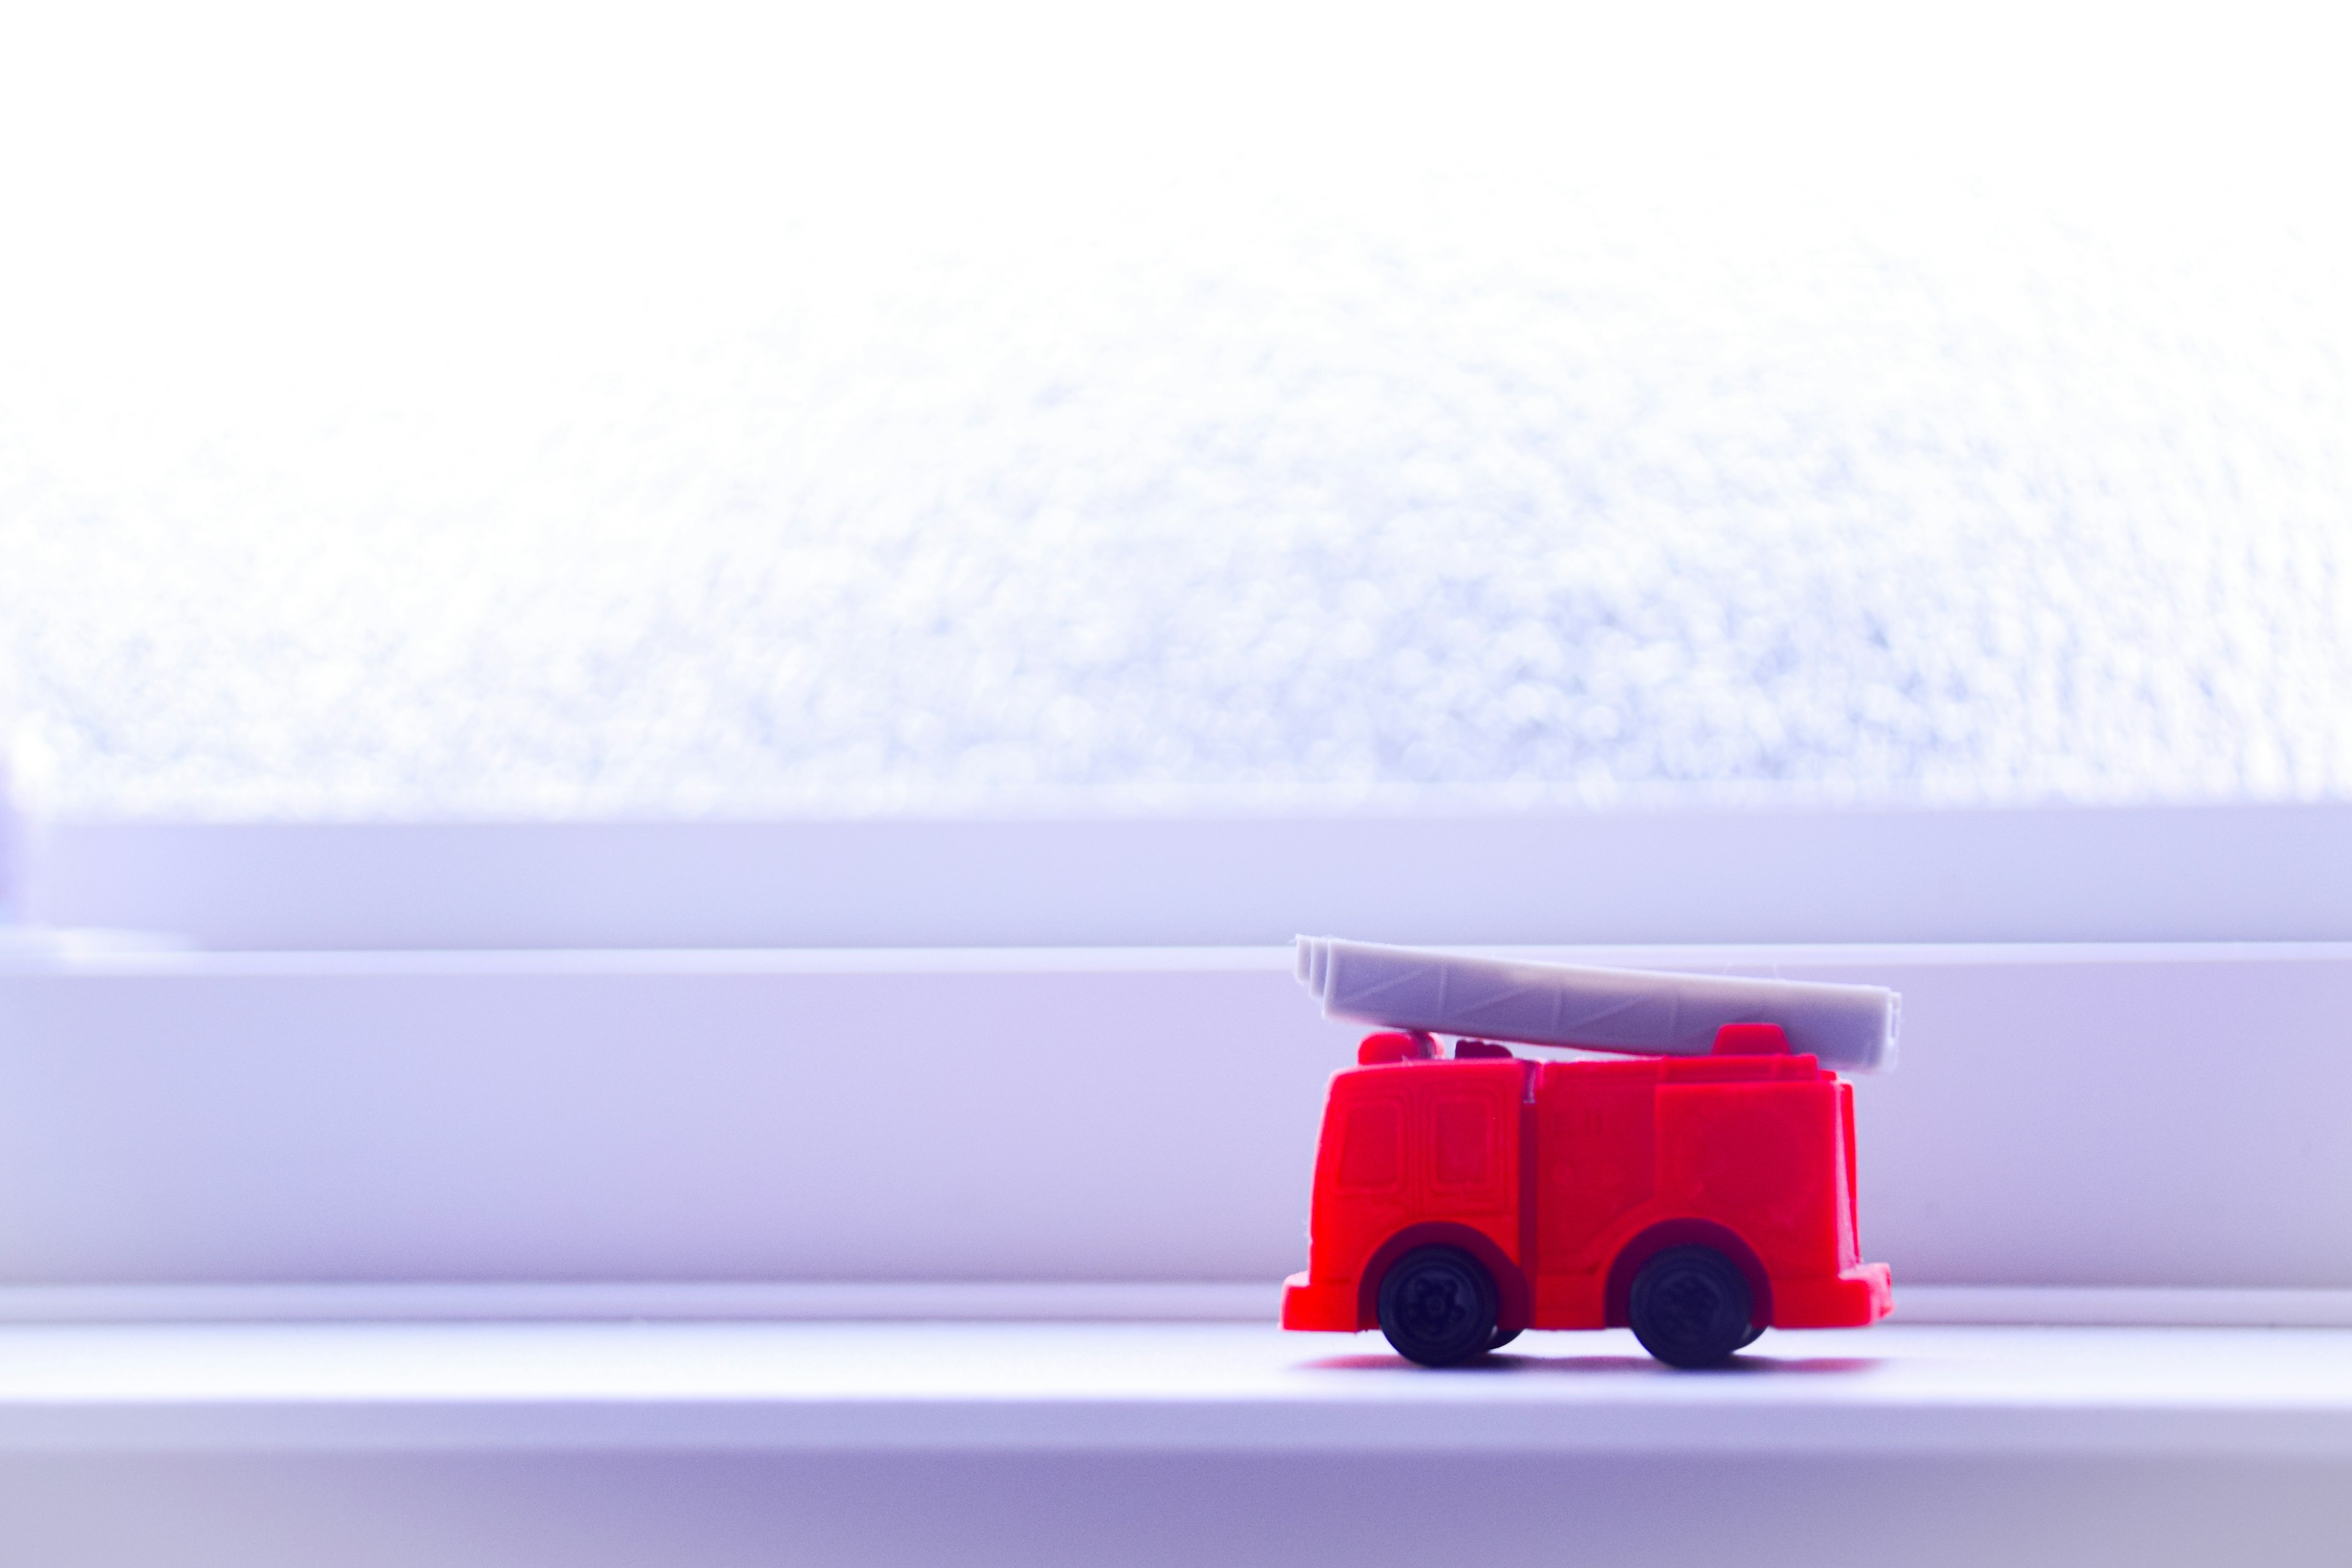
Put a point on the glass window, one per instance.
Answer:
(507, 411)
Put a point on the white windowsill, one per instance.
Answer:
(1164, 1387)
(1056, 1445)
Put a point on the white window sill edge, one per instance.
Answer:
(940, 1388)
(1045, 1301)
(1145, 1444)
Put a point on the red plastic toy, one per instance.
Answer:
(1698, 1199)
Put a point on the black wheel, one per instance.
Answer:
(1437, 1305)
(1502, 1337)
(1753, 1335)
(1690, 1307)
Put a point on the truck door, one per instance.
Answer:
(1467, 1148)
(1598, 1142)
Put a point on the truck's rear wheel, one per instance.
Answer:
(1437, 1305)
(1690, 1307)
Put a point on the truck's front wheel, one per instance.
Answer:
(1437, 1305)
(1690, 1307)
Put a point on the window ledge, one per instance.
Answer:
(1162, 1387)
(1052, 1446)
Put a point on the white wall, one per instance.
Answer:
(2048, 874)
(2093, 1116)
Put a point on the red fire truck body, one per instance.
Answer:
(1563, 1181)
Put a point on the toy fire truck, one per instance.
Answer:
(1698, 1194)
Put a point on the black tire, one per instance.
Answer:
(1502, 1337)
(1690, 1307)
(1753, 1335)
(1437, 1305)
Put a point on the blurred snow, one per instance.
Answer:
(561, 411)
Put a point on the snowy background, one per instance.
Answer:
(663, 412)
